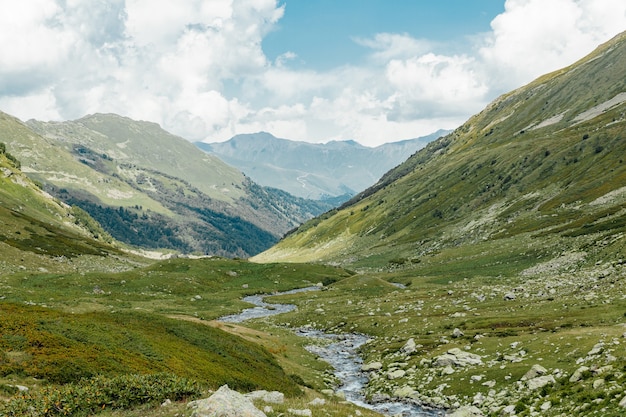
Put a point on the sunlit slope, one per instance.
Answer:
(39, 233)
(544, 163)
(146, 145)
(151, 189)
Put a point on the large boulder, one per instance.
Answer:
(457, 357)
(225, 403)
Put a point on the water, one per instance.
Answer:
(341, 354)
(262, 308)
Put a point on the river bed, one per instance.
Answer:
(341, 353)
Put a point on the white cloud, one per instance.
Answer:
(533, 37)
(197, 67)
(391, 45)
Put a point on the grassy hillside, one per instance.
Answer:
(151, 189)
(546, 160)
(59, 328)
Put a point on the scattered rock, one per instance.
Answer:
(509, 296)
(305, 413)
(448, 370)
(456, 333)
(398, 373)
(540, 382)
(508, 410)
(467, 411)
(372, 366)
(225, 403)
(535, 371)
(596, 350)
(317, 402)
(409, 347)
(457, 357)
(546, 406)
(578, 374)
(598, 383)
(273, 397)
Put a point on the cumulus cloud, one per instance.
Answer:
(198, 67)
(533, 37)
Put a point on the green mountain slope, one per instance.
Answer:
(151, 189)
(39, 233)
(542, 165)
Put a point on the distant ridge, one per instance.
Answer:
(151, 189)
(337, 169)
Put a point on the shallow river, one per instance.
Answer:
(341, 354)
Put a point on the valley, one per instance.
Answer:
(483, 276)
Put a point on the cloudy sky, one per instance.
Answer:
(315, 70)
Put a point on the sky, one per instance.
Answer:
(374, 71)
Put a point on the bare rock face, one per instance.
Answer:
(225, 403)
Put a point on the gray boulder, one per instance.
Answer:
(457, 357)
(225, 403)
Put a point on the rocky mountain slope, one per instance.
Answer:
(544, 162)
(152, 189)
(336, 169)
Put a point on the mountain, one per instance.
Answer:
(39, 233)
(542, 165)
(317, 171)
(152, 189)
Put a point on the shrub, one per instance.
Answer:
(89, 396)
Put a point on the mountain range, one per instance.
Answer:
(334, 170)
(151, 189)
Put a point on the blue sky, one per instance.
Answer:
(322, 33)
(373, 71)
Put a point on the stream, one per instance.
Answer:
(341, 353)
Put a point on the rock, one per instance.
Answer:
(317, 402)
(467, 411)
(598, 383)
(509, 296)
(372, 366)
(457, 357)
(540, 382)
(328, 392)
(578, 374)
(448, 370)
(305, 413)
(456, 333)
(622, 402)
(535, 371)
(404, 392)
(546, 406)
(508, 410)
(596, 350)
(166, 403)
(225, 403)
(398, 373)
(409, 347)
(273, 397)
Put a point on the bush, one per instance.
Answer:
(90, 396)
